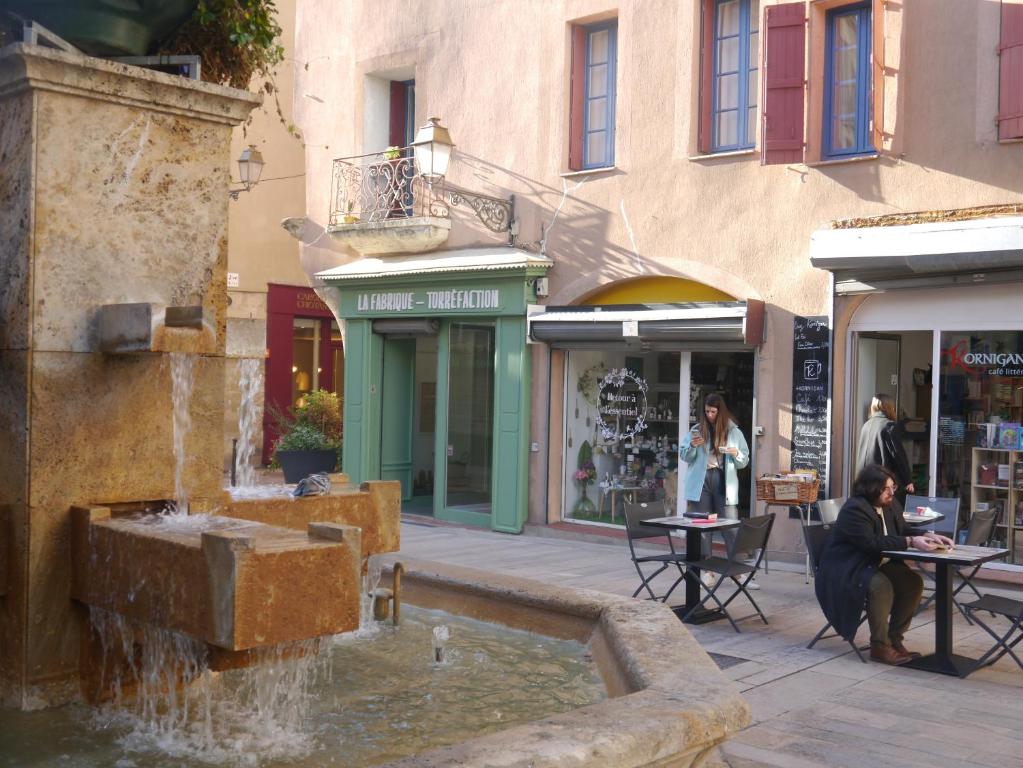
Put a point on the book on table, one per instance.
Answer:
(705, 516)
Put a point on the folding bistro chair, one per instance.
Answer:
(829, 508)
(816, 536)
(980, 531)
(999, 606)
(751, 537)
(634, 513)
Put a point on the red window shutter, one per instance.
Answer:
(707, 77)
(1010, 75)
(784, 83)
(396, 127)
(578, 96)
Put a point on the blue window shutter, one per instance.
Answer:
(599, 95)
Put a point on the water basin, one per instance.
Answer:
(367, 698)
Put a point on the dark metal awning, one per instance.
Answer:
(866, 259)
(738, 324)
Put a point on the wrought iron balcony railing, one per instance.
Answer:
(384, 186)
(377, 187)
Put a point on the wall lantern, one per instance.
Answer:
(432, 147)
(250, 166)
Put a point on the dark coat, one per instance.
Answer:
(881, 443)
(850, 558)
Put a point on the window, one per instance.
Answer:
(847, 82)
(734, 57)
(593, 96)
(402, 129)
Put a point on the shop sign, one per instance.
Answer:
(621, 404)
(452, 300)
(991, 363)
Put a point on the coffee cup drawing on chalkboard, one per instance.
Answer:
(811, 369)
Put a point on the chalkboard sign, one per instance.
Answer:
(811, 342)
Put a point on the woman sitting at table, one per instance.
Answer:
(853, 569)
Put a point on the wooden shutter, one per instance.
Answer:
(1010, 71)
(396, 125)
(877, 70)
(706, 140)
(784, 83)
(577, 99)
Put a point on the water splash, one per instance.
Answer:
(250, 381)
(182, 379)
(167, 700)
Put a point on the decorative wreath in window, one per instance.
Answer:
(589, 381)
(621, 402)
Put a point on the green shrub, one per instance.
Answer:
(315, 425)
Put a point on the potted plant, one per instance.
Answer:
(310, 440)
(392, 153)
(350, 218)
(585, 475)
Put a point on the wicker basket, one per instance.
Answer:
(805, 491)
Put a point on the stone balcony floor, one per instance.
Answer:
(819, 707)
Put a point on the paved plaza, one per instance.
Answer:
(819, 707)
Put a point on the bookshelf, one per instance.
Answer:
(997, 479)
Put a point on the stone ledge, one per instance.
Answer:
(403, 235)
(25, 66)
(669, 705)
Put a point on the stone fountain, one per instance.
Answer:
(113, 222)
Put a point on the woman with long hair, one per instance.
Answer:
(714, 451)
(881, 443)
(854, 570)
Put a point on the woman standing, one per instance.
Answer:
(714, 451)
(881, 443)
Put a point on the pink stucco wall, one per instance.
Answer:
(497, 73)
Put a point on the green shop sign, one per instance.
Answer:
(441, 300)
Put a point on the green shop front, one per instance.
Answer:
(437, 379)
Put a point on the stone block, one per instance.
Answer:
(413, 235)
(233, 584)
(375, 509)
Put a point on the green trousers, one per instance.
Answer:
(892, 598)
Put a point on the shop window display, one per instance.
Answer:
(980, 453)
(622, 425)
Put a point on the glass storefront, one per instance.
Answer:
(980, 453)
(624, 412)
(470, 416)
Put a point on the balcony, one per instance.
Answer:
(381, 204)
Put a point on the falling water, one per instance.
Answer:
(182, 709)
(249, 380)
(182, 378)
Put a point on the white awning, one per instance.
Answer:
(492, 259)
(973, 251)
(725, 323)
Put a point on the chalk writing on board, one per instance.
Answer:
(811, 340)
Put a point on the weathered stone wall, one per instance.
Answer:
(113, 189)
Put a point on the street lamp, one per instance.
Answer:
(250, 166)
(432, 147)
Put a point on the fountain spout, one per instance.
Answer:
(128, 329)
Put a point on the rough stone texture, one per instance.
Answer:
(375, 509)
(245, 586)
(16, 155)
(113, 188)
(670, 705)
(372, 238)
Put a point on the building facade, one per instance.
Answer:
(678, 169)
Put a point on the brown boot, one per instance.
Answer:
(897, 645)
(887, 655)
